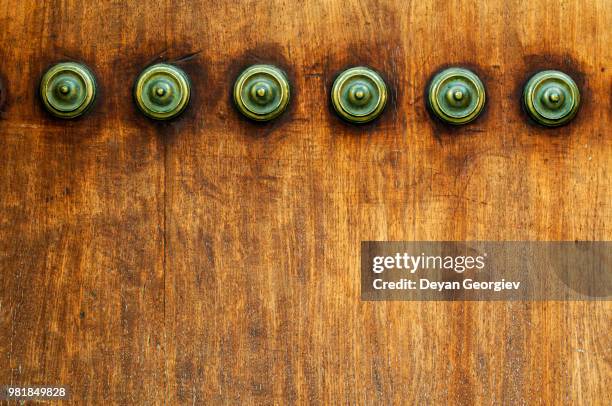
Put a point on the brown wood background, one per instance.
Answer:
(211, 260)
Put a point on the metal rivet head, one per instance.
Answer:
(262, 92)
(551, 98)
(162, 91)
(68, 90)
(359, 95)
(456, 96)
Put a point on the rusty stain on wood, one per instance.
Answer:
(3, 95)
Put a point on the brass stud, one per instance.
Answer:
(262, 92)
(456, 96)
(359, 95)
(551, 98)
(68, 90)
(162, 91)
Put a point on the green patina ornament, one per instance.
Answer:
(456, 96)
(262, 92)
(551, 98)
(68, 90)
(162, 91)
(359, 95)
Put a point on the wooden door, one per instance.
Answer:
(211, 260)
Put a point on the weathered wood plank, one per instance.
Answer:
(212, 260)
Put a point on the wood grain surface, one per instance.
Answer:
(211, 260)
